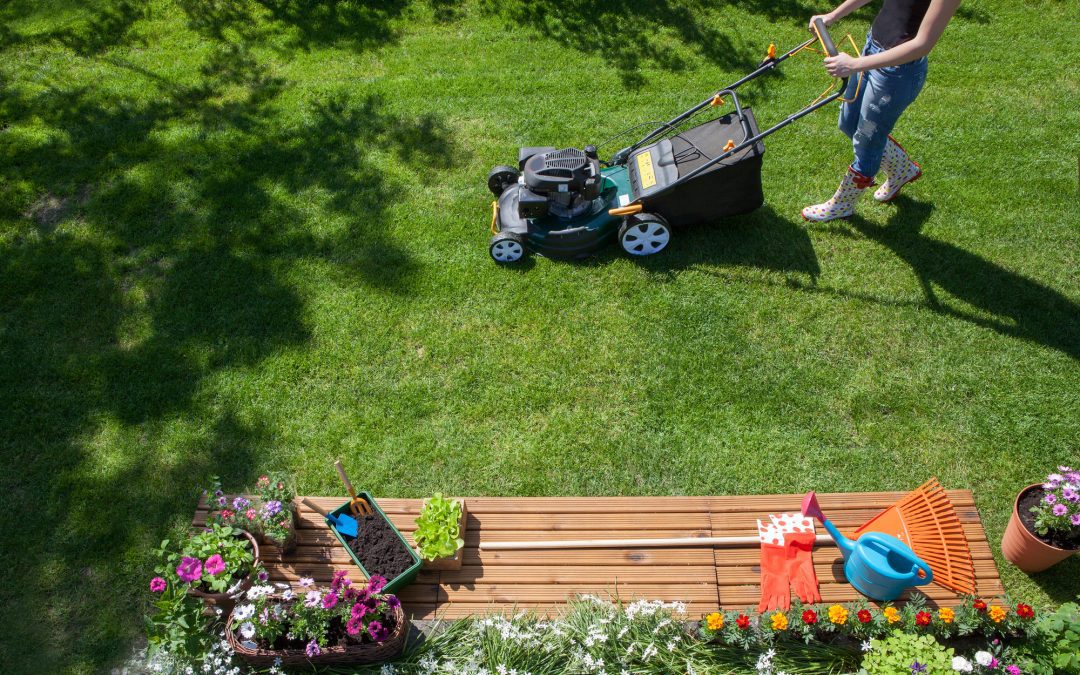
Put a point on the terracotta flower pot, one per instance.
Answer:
(226, 601)
(1025, 550)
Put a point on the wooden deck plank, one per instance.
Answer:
(543, 580)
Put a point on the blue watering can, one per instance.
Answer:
(878, 565)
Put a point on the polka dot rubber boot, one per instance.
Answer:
(842, 204)
(899, 171)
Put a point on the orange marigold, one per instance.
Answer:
(998, 613)
(946, 614)
(715, 621)
(891, 614)
(779, 621)
(838, 615)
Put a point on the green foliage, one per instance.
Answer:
(896, 654)
(1056, 648)
(235, 552)
(177, 625)
(438, 528)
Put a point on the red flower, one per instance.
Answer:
(743, 621)
(923, 619)
(809, 617)
(979, 605)
(864, 616)
(1024, 611)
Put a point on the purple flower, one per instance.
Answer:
(359, 610)
(993, 664)
(917, 667)
(1055, 478)
(1050, 498)
(263, 575)
(354, 626)
(214, 565)
(190, 569)
(376, 583)
(312, 650)
(392, 601)
(1070, 494)
(240, 503)
(340, 579)
(1073, 476)
(271, 509)
(222, 501)
(1013, 670)
(157, 585)
(378, 632)
(1060, 509)
(1075, 520)
(329, 600)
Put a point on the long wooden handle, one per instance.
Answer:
(344, 478)
(315, 507)
(630, 543)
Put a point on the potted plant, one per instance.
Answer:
(277, 512)
(214, 565)
(440, 529)
(1045, 524)
(277, 625)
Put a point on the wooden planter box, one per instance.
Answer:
(452, 563)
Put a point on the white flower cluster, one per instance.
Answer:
(259, 592)
(650, 607)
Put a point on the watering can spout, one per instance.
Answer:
(811, 508)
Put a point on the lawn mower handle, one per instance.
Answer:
(823, 36)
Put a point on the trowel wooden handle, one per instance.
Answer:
(315, 507)
(345, 479)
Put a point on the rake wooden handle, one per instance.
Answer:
(630, 543)
(345, 479)
(315, 507)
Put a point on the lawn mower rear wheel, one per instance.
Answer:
(644, 234)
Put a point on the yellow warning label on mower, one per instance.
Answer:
(645, 170)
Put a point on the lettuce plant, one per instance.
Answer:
(438, 530)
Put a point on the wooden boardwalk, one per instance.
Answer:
(705, 578)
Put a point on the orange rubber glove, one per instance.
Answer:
(800, 569)
(775, 593)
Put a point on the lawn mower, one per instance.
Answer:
(567, 203)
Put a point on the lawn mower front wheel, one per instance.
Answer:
(507, 247)
(644, 234)
(500, 178)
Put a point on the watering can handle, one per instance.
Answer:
(925, 570)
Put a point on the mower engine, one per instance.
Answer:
(562, 183)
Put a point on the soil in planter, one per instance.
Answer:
(379, 549)
(1061, 540)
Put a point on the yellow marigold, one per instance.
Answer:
(779, 621)
(997, 613)
(715, 621)
(838, 615)
(891, 614)
(946, 615)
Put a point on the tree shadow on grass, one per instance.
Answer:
(630, 36)
(1018, 307)
(147, 248)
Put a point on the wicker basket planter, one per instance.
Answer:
(453, 562)
(226, 601)
(369, 652)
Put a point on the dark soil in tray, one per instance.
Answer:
(379, 549)
(1034, 497)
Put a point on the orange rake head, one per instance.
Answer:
(926, 521)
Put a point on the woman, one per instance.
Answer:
(894, 60)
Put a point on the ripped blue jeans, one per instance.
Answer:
(871, 116)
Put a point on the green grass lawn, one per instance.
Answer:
(239, 235)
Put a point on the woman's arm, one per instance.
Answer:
(933, 25)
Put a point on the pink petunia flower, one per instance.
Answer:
(1013, 670)
(157, 585)
(354, 626)
(214, 565)
(376, 583)
(189, 569)
(378, 632)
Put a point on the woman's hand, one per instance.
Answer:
(841, 65)
(827, 18)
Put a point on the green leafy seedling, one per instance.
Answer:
(438, 528)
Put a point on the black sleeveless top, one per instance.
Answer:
(898, 21)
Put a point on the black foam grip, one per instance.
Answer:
(826, 39)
